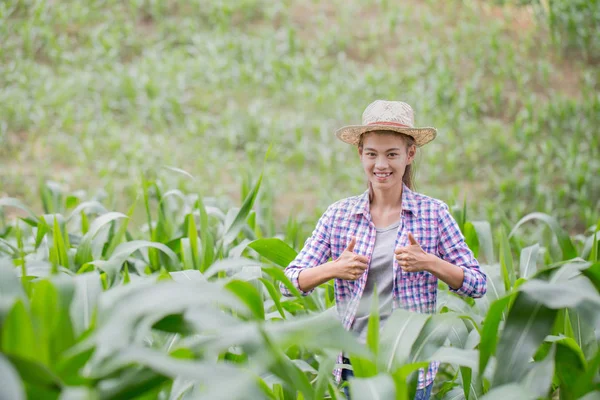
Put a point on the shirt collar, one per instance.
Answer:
(409, 203)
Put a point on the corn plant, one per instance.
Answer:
(186, 306)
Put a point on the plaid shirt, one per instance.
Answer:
(433, 227)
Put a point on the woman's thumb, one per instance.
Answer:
(351, 245)
(412, 239)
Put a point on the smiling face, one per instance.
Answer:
(385, 156)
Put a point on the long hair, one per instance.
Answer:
(408, 177)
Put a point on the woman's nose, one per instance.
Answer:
(381, 162)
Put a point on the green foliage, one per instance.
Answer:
(115, 326)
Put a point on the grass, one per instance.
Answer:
(96, 94)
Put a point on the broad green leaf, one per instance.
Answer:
(539, 378)
(10, 381)
(274, 250)
(230, 265)
(18, 336)
(11, 289)
(187, 275)
(509, 391)
(400, 332)
(560, 295)
(486, 243)
(249, 295)
(88, 288)
(34, 373)
(593, 274)
(528, 261)
(458, 357)
(380, 387)
(570, 366)
(432, 336)
(119, 327)
(527, 324)
(564, 241)
(489, 333)
(45, 316)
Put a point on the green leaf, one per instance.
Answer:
(187, 275)
(593, 274)
(10, 381)
(275, 295)
(44, 313)
(539, 378)
(113, 265)
(400, 332)
(485, 240)
(568, 250)
(122, 232)
(509, 391)
(249, 295)
(12, 202)
(18, 337)
(88, 288)
(59, 245)
(432, 336)
(35, 373)
(471, 238)
(378, 387)
(235, 227)
(373, 324)
(274, 250)
(84, 250)
(528, 261)
(90, 206)
(489, 333)
(193, 238)
(506, 262)
(570, 366)
(528, 323)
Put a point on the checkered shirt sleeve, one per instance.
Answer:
(316, 251)
(453, 248)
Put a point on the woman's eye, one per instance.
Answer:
(393, 154)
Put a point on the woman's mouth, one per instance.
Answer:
(382, 176)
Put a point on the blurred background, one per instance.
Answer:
(95, 95)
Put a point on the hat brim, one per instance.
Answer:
(351, 134)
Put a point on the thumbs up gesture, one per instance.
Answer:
(412, 258)
(349, 265)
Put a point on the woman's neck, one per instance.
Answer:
(387, 200)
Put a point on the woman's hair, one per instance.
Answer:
(408, 177)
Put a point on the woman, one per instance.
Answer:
(389, 237)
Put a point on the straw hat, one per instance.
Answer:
(395, 116)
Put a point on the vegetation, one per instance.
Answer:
(143, 237)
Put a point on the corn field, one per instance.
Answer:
(162, 162)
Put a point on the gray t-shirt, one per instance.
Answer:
(380, 274)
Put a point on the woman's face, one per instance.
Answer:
(384, 158)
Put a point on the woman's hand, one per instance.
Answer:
(412, 258)
(349, 265)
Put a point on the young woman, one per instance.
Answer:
(389, 237)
